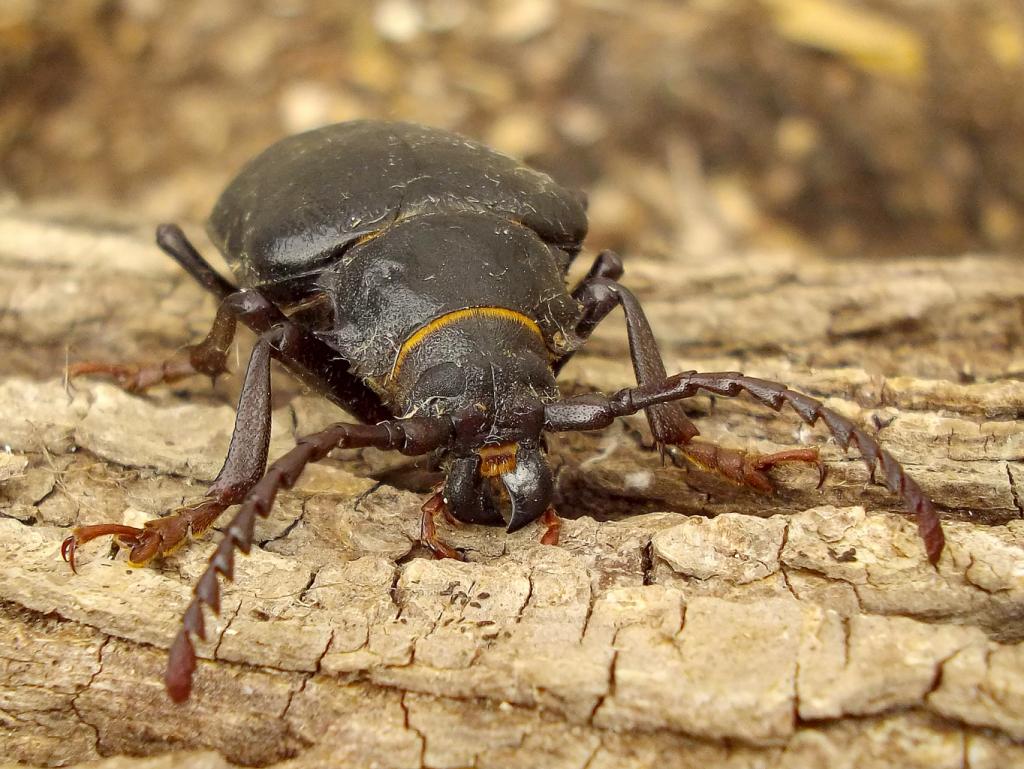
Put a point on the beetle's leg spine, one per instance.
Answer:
(593, 412)
(417, 435)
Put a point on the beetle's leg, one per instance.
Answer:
(208, 357)
(600, 294)
(591, 412)
(747, 468)
(416, 435)
(310, 359)
(450, 519)
(672, 429)
(172, 241)
(607, 265)
(428, 528)
(243, 466)
(437, 503)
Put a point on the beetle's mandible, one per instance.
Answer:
(417, 280)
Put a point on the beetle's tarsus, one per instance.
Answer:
(67, 552)
(157, 538)
(126, 535)
(822, 474)
(745, 468)
(136, 378)
(428, 529)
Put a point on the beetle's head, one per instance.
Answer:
(496, 471)
(493, 386)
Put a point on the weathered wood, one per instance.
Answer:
(802, 630)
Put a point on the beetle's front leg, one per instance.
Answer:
(428, 528)
(245, 462)
(592, 412)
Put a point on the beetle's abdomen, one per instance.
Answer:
(300, 203)
(388, 288)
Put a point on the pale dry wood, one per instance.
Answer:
(802, 630)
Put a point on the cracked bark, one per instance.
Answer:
(815, 632)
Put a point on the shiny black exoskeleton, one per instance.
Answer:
(390, 228)
(417, 279)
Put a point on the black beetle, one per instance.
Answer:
(417, 279)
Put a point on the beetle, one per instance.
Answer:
(417, 279)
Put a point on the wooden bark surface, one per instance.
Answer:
(681, 622)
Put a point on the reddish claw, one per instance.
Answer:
(160, 536)
(129, 536)
(746, 468)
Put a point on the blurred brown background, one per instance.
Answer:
(854, 127)
(746, 138)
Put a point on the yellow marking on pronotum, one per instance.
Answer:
(455, 316)
(369, 236)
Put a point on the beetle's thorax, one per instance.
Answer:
(426, 282)
(489, 360)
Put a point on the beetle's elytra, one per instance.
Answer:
(417, 279)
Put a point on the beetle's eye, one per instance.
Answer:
(445, 380)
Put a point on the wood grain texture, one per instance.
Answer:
(682, 622)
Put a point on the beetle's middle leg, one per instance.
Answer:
(243, 467)
(207, 357)
(599, 293)
(306, 356)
